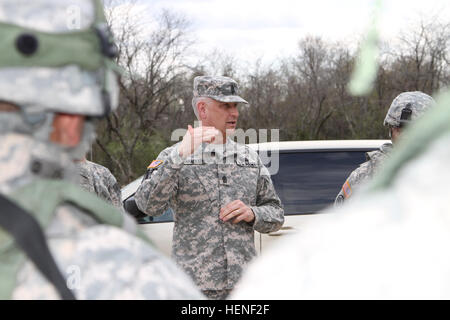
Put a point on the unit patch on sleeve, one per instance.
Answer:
(347, 189)
(155, 164)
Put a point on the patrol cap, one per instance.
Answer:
(407, 107)
(219, 88)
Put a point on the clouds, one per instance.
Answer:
(268, 28)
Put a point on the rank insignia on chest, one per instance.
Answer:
(155, 164)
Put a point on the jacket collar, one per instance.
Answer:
(23, 159)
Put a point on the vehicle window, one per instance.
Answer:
(306, 182)
(167, 216)
(310, 181)
(131, 207)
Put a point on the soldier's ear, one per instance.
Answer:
(394, 133)
(202, 110)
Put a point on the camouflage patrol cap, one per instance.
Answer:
(57, 57)
(398, 114)
(219, 88)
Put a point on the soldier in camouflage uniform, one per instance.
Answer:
(97, 179)
(219, 190)
(46, 109)
(406, 107)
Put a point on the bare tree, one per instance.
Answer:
(151, 88)
(309, 82)
(422, 61)
(265, 91)
(305, 95)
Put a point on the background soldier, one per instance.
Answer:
(52, 83)
(98, 179)
(220, 192)
(405, 108)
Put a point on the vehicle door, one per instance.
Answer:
(308, 182)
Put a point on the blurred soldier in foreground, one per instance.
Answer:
(389, 242)
(405, 108)
(99, 180)
(53, 81)
(220, 192)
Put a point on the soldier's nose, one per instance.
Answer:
(234, 112)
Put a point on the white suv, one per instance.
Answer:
(310, 174)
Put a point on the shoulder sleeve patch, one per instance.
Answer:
(347, 190)
(155, 164)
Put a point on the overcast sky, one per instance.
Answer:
(251, 29)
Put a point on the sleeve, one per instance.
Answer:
(340, 198)
(269, 212)
(160, 185)
(114, 191)
(344, 193)
(354, 180)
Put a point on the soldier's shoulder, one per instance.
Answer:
(382, 152)
(167, 151)
(386, 147)
(137, 269)
(97, 167)
(362, 172)
(375, 161)
(373, 155)
(105, 262)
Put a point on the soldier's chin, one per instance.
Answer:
(230, 131)
(87, 138)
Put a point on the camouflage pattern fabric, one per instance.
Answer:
(216, 294)
(67, 89)
(212, 252)
(418, 101)
(84, 255)
(78, 90)
(98, 261)
(48, 15)
(222, 89)
(22, 159)
(97, 179)
(364, 172)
